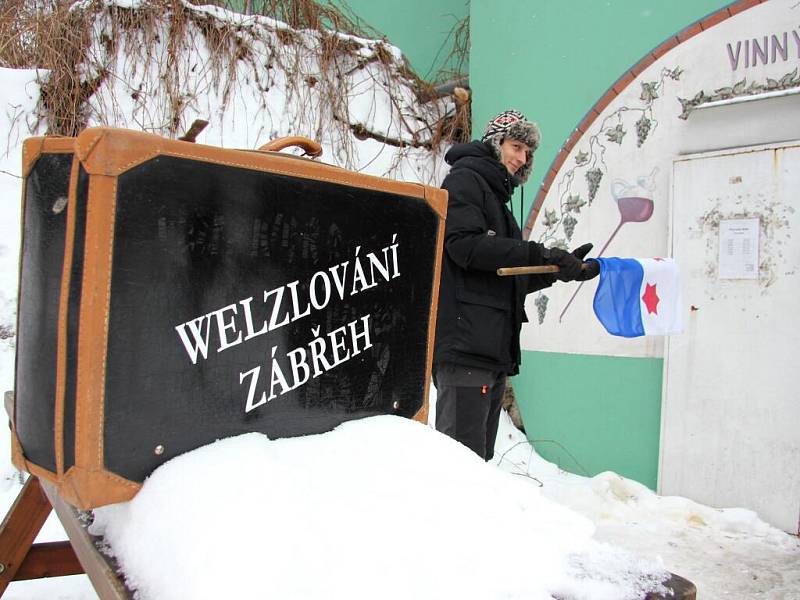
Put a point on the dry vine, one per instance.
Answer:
(136, 65)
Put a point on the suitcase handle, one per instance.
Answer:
(311, 148)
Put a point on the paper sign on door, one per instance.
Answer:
(738, 248)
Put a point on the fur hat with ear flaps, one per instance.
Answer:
(513, 124)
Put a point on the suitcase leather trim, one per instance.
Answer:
(32, 150)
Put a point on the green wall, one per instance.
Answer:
(590, 414)
(420, 28)
(553, 59)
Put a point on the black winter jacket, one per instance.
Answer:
(480, 313)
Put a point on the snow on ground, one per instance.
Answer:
(378, 508)
(385, 507)
(727, 554)
(384, 495)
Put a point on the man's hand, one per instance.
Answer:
(590, 268)
(581, 251)
(571, 265)
(568, 264)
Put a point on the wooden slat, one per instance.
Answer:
(49, 559)
(20, 527)
(101, 571)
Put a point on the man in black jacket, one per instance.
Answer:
(480, 313)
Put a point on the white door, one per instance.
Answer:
(730, 433)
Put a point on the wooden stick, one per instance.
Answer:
(527, 270)
(194, 131)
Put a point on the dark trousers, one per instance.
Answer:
(468, 403)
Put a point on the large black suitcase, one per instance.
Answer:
(172, 294)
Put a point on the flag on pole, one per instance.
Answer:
(638, 297)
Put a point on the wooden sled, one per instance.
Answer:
(24, 560)
(21, 559)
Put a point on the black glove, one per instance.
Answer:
(590, 268)
(568, 264)
(581, 251)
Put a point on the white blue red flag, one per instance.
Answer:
(639, 296)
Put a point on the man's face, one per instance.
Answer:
(514, 154)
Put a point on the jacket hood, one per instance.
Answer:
(478, 157)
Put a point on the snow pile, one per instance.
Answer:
(378, 508)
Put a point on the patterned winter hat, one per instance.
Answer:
(513, 124)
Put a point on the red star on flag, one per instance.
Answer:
(650, 299)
